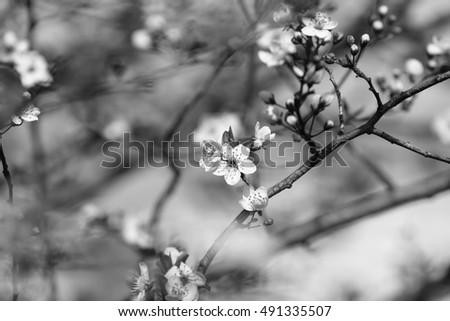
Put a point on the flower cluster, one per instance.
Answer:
(383, 23)
(231, 160)
(30, 64)
(155, 31)
(276, 46)
(172, 280)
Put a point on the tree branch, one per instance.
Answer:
(407, 145)
(366, 206)
(339, 99)
(315, 160)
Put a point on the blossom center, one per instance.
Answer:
(320, 20)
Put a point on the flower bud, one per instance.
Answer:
(314, 100)
(316, 78)
(350, 40)
(291, 120)
(16, 120)
(271, 115)
(328, 125)
(298, 71)
(365, 39)
(337, 37)
(354, 49)
(383, 10)
(290, 105)
(330, 58)
(267, 97)
(377, 26)
(326, 100)
(268, 222)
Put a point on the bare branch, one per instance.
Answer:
(369, 205)
(407, 145)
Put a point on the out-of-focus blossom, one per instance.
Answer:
(30, 64)
(141, 282)
(32, 67)
(414, 68)
(116, 128)
(257, 200)
(441, 127)
(135, 231)
(155, 22)
(284, 15)
(263, 136)
(182, 283)
(277, 46)
(319, 26)
(271, 114)
(438, 46)
(174, 34)
(141, 39)
(212, 126)
(10, 39)
(234, 162)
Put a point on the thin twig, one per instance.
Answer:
(6, 173)
(407, 145)
(372, 88)
(38, 157)
(339, 99)
(245, 11)
(14, 265)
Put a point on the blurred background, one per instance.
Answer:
(153, 68)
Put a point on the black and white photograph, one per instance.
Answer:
(239, 150)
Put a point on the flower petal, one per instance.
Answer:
(233, 176)
(173, 253)
(322, 33)
(174, 272)
(330, 25)
(184, 269)
(309, 31)
(269, 59)
(222, 169)
(247, 166)
(246, 205)
(189, 292)
(240, 152)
